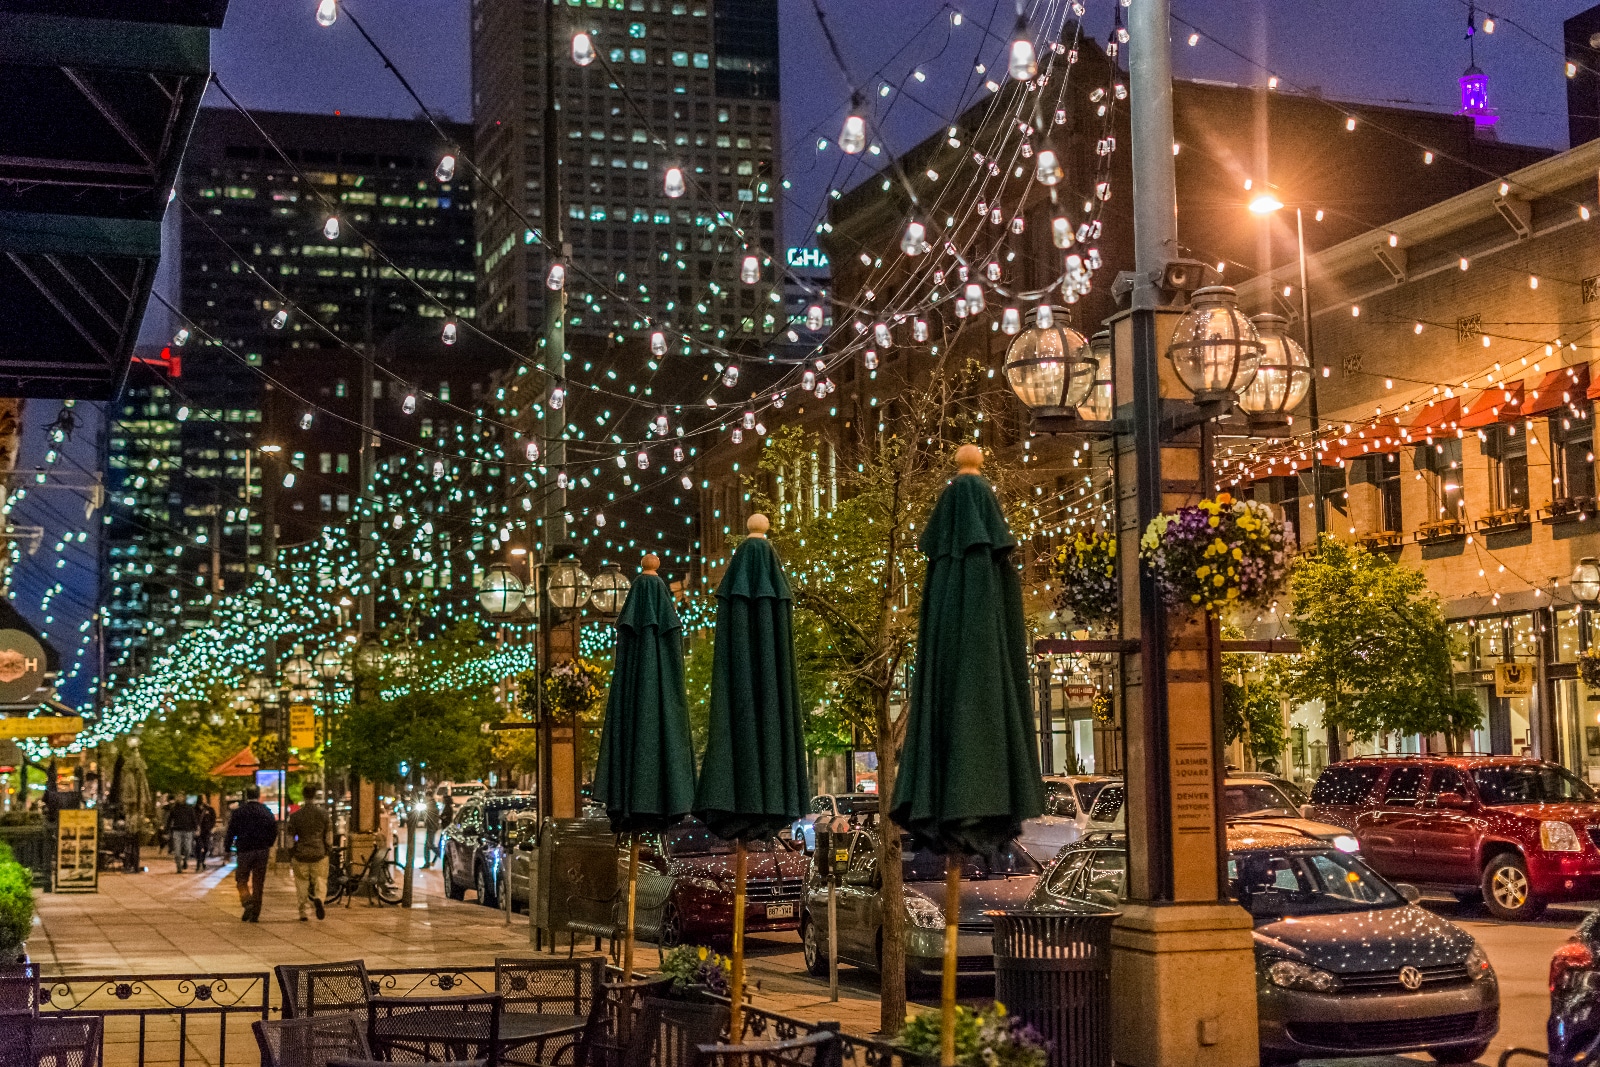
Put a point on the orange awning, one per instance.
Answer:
(1436, 420)
(243, 764)
(1560, 387)
(1496, 404)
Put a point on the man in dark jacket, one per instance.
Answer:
(252, 831)
(202, 836)
(182, 822)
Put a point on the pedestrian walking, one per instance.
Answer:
(430, 824)
(252, 831)
(203, 836)
(313, 837)
(182, 822)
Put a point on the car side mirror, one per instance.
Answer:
(1450, 800)
(1409, 891)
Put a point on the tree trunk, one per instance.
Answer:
(411, 843)
(892, 961)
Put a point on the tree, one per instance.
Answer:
(856, 574)
(181, 746)
(1377, 651)
(1252, 705)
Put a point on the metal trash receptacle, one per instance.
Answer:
(1053, 970)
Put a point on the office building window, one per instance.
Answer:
(1440, 467)
(326, 500)
(325, 463)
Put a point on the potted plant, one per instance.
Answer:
(1217, 555)
(1086, 566)
(990, 1038)
(697, 970)
(16, 908)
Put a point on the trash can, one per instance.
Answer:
(1054, 971)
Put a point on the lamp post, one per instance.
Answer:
(328, 664)
(1586, 588)
(1267, 203)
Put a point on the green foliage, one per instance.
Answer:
(983, 1039)
(689, 965)
(1252, 704)
(181, 746)
(1377, 652)
(427, 715)
(16, 903)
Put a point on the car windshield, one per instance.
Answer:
(696, 840)
(1087, 791)
(1271, 883)
(1247, 798)
(494, 813)
(1532, 783)
(1108, 805)
(849, 805)
(922, 865)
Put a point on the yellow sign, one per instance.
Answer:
(43, 726)
(302, 726)
(77, 851)
(1513, 679)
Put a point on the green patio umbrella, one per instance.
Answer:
(645, 774)
(753, 780)
(969, 769)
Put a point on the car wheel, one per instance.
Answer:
(480, 883)
(1507, 893)
(811, 946)
(671, 935)
(451, 890)
(1459, 1053)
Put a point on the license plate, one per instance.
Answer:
(780, 911)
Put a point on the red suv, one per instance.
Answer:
(1518, 831)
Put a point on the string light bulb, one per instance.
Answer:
(327, 12)
(532, 452)
(750, 270)
(853, 136)
(919, 330)
(448, 334)
(1061, 231)
(672, 183)
(814, 317)
(330, 229)
(1047, 167)
(1024, 62)
(556, 280)
(582, 49)
(915, 240)
(446, 168)
(409, 404)
(280, 320)
(658, 344)
(181, 338)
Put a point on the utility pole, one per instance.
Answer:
(1179, 944)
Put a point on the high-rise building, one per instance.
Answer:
(205, 427)
(685, 84)
(1581, 37)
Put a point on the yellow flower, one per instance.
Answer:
(1213, 521)
(702, 952)
(1202, 572)
(1233, 591)
(1237, 554)
(1194, 598)
(1218, 580)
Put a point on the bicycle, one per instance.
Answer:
(374, 879)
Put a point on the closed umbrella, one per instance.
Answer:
(753, 780)
(969, 770)
(645, 775)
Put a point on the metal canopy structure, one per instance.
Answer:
(96, 103)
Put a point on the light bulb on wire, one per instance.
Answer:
(327, 12)
(448, 334)
(672, 183)
(1024, 63)
(915, 241)
(853, 137)
(330, 229)
(446, 168)
(1047, 167)
(582, 49)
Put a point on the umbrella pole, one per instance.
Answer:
(736, 985)
(947, 998)
(633, 896)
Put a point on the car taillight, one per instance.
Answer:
(1572, 956)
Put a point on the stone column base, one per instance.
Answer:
(1183, 987)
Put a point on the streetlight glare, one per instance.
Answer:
(1265, 204)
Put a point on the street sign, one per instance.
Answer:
(43, 726)
(1513, 679)
(302, 726)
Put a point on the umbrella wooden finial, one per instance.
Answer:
(757, 525)
(968, 459)
(652, 562)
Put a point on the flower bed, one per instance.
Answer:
(697, 966)
(1217, 554)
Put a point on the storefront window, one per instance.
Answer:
(1524, 638)
(1566, 635)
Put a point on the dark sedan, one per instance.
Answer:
(1346, 964)
(473, 840)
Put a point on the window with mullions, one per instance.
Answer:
(1507, 449)
(1386, 475)
(1439, 466)
(1572, 454)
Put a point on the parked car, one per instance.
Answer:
(468, 845)
(457, 791)
(834, 811)
(1573, 1031)
(686, 879)
(1517, 831)
(1244, 795)
(512, 857)
(1067, 799)
(1346, 963)
(1003, 880)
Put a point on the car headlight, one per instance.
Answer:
(695, 881)
(1478, 966)
(923, 912)
(1291, 974)
(1346, 843)
(1558, 836)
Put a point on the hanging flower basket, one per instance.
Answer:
(1589, 667)
(1218, 554)
(1086, 567)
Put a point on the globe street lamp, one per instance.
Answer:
(1214, 348)
(369, 656)
(1586, 581)
(609, 590)
(328, 663)
(1049, 367)
(502, 592)
(1100, 406)
(1283, 377)
(567, 585)
(298, 672)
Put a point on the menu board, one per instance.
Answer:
(78, 851)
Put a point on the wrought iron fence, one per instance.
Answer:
(430, 981)
(854, 1051)
(153, 1019)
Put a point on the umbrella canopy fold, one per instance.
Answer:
(969, 770)
(645, 774)
(753, 781)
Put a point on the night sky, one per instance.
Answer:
(272, 54)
